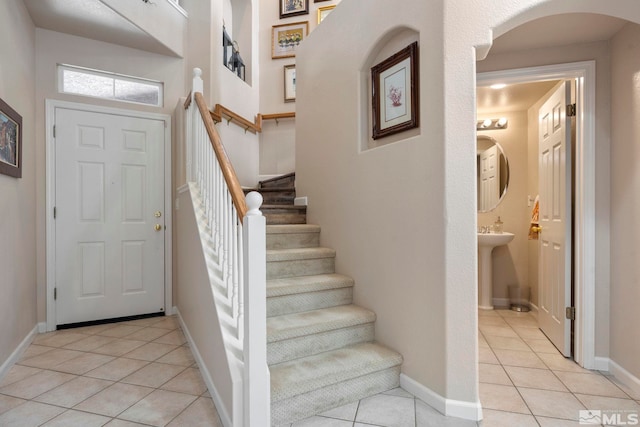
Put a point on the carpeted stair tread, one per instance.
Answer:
(300, 376)
(293, 228)
(301, 284)
(299, 254)
(295, 325)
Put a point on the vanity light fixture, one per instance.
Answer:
(492, 124)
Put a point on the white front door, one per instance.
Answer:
(554, 156)
(109, 226)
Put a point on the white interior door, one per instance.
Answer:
(554, 156)
(109, 226)
(489, 178)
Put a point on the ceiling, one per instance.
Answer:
(94, 20)
(557, 30)
(517, 97)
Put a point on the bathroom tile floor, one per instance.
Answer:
(142, 373)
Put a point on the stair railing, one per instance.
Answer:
(236, 233)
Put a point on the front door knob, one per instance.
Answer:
(158, 227)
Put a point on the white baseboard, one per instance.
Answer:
(601, 363)
(624, 376)
(449, 407)
(15, 356)
(500, 302)
(534, 308)
(206, 376)
(42, 327)
(301, 201)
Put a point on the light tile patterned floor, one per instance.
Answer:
(525, 381)
(142, 373)
(127, 374)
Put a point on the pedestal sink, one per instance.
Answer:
(486, 243)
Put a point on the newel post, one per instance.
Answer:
(257, 382)
(197, 85)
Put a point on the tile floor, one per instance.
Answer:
(525, 381)
(142, 373)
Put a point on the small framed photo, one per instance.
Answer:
(10, 141)
(323, 12)
(293, 8)
(394, 84)
(290, 83)
(286, 38)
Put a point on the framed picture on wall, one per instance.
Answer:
(323, 12)
(286, 38)
(290, 83)
(10, 141)
(394, 84)
(293, 8)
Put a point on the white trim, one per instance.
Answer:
(42, 327)
(179, 8)
(584, 240)
(624, 376)
(500, 302)
(15, 356)
(449, 407)
(533, 307)
(50, 106)
(215, 395)
(301, 201)
(602, 364)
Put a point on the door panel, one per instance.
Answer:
(109, 187)
(554, 156)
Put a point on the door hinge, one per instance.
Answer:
(55, 294)
(54, 212)
(571, 110)
(54, 131)
(570, 313)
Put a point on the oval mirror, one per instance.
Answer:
(493, 173)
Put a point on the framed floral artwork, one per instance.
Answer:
(286, 38)
(10, 141)
(394, 84)
(293, 8)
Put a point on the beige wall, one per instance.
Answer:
(53, 48)
(510, 262)
(625, 199)
(381, 209)
(277, 142)
(18, 196)
(598, 51)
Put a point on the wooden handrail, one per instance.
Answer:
(220, 112)
(187, 101)
(237, 195)
(276, 116)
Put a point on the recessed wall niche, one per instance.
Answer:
(393, 42)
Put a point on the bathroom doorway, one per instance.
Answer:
(582, 294)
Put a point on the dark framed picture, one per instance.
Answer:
(290, 83)
(293, 8)
(10, 141)
(286, 38)
(394, 84)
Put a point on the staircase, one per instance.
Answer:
(321, 350)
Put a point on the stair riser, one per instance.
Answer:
(283, 351)
(304, 267)
(293, 240)
(295, 303)
(287, 181)
(317, 401)
(278, 197)
(281, 219)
